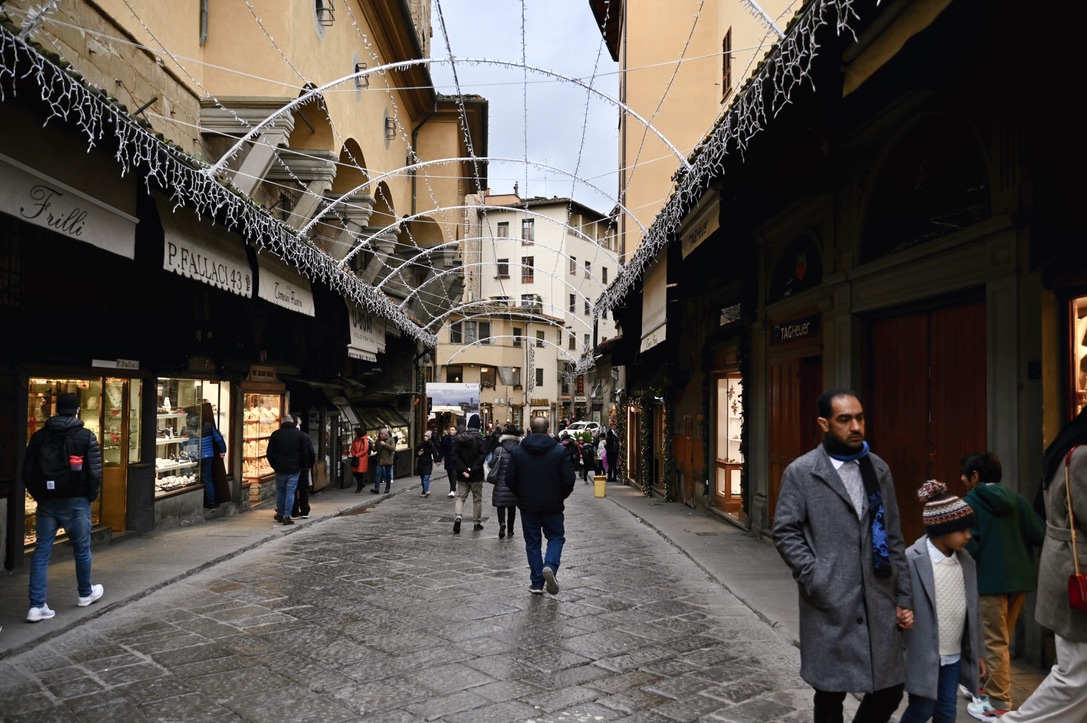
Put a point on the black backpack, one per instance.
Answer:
(53, 477)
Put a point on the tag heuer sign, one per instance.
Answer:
(795, 330)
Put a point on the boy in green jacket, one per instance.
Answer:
(1007, 529)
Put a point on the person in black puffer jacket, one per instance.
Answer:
(64, 500)
(501, 497)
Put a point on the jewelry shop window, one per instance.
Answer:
(1079, 353)
(185, 410)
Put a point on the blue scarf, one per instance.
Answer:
(881, 557)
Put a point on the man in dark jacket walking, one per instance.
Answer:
(541, 475)
(288, 448)
(468, 459)
(64, 499)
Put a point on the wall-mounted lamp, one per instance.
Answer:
(361, 81)
(390, 129)
(326, 13)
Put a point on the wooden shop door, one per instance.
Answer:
(795, 385)
(925, 401)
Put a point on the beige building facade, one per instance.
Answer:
(680, 65)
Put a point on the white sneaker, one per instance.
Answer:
(96, 592)
(983, 709)
(550, 582)
(451, 494)
(36, 615)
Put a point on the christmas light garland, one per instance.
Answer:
(767, 92)
(94, 115)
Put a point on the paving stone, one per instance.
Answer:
(387, 617)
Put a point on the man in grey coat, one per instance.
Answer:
(836, 525)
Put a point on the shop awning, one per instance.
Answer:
(655, 303)
(199, 250)
(283, 286)
(40, 200)
(366, 333)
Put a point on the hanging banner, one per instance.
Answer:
(284, 286)
(366, 333)
(40, 200)
(655, 303)
(204, 252)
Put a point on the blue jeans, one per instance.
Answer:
(940, 710)
(74, 515)
(551, 524)
(286, 484)
(207, 473)
(426, 483)
(384, 474)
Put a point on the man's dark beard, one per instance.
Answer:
(835, 446)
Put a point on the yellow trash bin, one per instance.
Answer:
(600, 485)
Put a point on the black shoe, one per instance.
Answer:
(278, 517)
(456, 526)
(375, 491)
(288, 521)
(501, 531)
(478, 527)
(509, 532)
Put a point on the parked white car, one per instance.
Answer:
(583, 426)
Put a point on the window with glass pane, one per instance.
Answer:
(573, 264)
(573, 303)
(518, 332)
(503, 229)
(528, 230)
(528, 270)
(539, 338)
(604, 274)
(588, 270)
(485, 332)
(503, 270)
(456, 333)
(454, 374)
(539, 377)
(487, 376)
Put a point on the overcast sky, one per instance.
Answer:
(566, 128)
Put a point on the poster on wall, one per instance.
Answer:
(459, 400)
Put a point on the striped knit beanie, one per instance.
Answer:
(943, 513)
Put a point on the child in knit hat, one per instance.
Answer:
(944, 647)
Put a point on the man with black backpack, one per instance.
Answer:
(62, 471)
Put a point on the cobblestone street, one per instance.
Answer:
(385, 615)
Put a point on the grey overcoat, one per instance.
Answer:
(849, 638)
(923, 640)
(1052, 609)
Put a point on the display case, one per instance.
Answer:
(1079, 354)
(177, 436)
(263, 415)
(730, 422)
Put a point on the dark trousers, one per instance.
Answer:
(876, 707)
(301, 495)
(507, 516)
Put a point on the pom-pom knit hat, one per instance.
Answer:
(944, 513)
